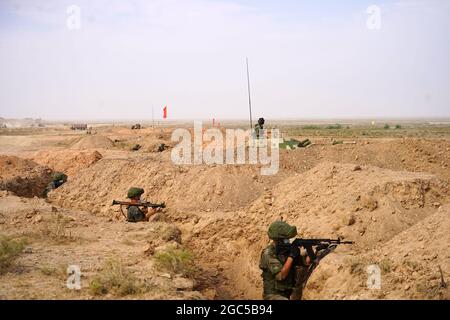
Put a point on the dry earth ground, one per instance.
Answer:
(390, 195)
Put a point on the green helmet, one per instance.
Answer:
(57, 176)
(135, 192)
(281, 230)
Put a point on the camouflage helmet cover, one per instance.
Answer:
(135, 192)
(281, 230)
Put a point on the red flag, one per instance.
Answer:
(165, 112)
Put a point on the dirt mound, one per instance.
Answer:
(151, 143)
(23, 177)
(58, 238)
(366, 204)
(416, 257)
(93, 142)
(409, 154)
(67, 161)
(199, 188)
(410, 266)
(147, 143)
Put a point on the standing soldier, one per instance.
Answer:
(259, 127)
(278, 265)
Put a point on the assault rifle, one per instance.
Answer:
(316, 249)
(320, 244)
(140, 204)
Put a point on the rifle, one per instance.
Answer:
(139, 204)
(320, 244)
(323, 247)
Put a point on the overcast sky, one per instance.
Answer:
(308, 59)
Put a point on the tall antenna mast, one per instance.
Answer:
(153, 118)
(249, 98)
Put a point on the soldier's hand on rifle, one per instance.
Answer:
(294, 253)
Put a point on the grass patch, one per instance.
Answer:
(357, 265)
(173, 260)
(385, 266)
(413, 265)
(310, 127)
(124, 145)
(336, 126)
(60, 272)
(10, 249)
(360, 130)
(55, 229)
(115, 279)
(48, 271)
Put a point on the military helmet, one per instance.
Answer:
(135, 192)
(261, 121)
(281, 230)
(57, 176)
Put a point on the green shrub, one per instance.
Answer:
(385, 265)
(357, 265)
(175, 261)
(59, 271)
(116, 279)
(334, 126)
(10, 248)
(386, 126)
(397, 126)
(48, 271)
(55, 229)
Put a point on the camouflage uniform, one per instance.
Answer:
(134, 214)
(58, 179)
(259, 127)
(271, 264)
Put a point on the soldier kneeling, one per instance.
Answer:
(136, 214)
